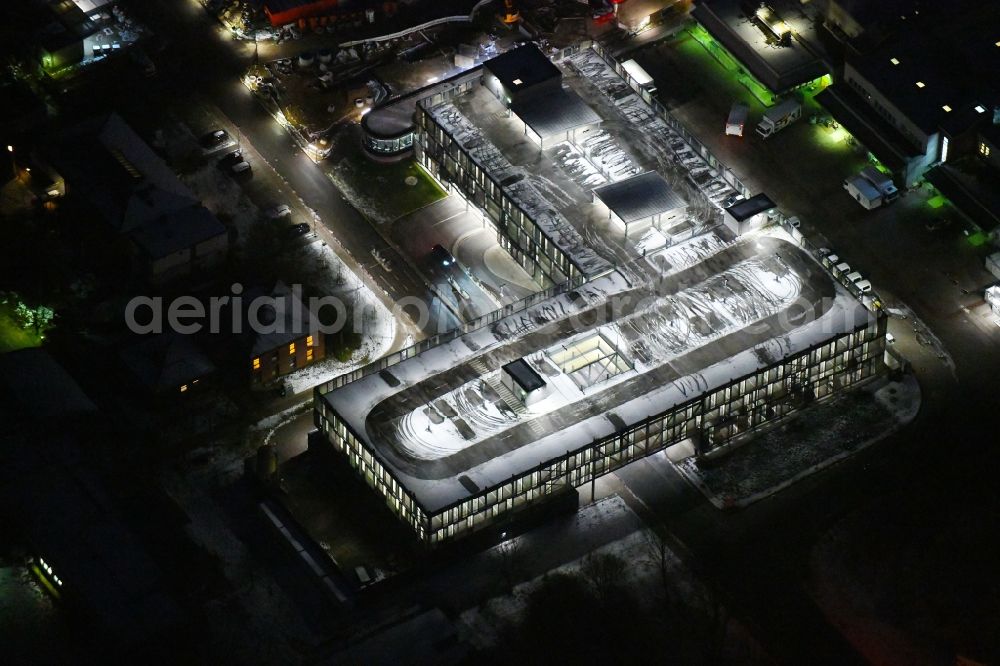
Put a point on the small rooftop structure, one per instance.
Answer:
(522, 68)
(640, 198)
(748, 214)
(562, 112)
(524, 375)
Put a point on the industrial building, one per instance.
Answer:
(914, 104)
(656, 329)
(762, 41)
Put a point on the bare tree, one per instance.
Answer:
(604, 571)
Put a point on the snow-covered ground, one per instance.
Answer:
(482, 625)
(806, 444)
(378, 327)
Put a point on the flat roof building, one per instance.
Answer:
(520, 74)
(779, 64)
(912, 102)
(688, 354)
(642, 201)
(748, 214)
(561, 116)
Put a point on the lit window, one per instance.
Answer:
(309, 354)
(291, 348)
(184, 388)
(518, 82)
(984, 150)
(998, 44)
(309, 341)
(894, 61)
(946, 108)
(256, 364)
(980, 108)
(920, 84)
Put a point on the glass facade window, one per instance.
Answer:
(389, 146)
(712, 420)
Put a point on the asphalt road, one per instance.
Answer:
(203, 60)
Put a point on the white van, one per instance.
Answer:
(843, 268)
(854, 276)
(864, 285)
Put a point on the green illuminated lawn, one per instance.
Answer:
(978, 239)
(12, 336)
(730, 65)
(381, 190)
(937, 201)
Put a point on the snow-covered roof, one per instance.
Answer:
(717, 315)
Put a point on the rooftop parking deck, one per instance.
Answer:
(704, 313)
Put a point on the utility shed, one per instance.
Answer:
(749, 214)
(520, 74)
(562, 116)
(522, 380)
(642, 201)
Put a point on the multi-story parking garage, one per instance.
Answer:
(671, 334)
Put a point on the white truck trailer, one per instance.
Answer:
(737, 119)
(779, 117)
(882, 182)
(863, 192)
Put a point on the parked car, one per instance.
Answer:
(442, 256)
(296, 230)
(732, 199)
(794, 222)
(214, 138)
(241, 170)
(231, 159)
(938, 224)
(279, 211)
(864, 286)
